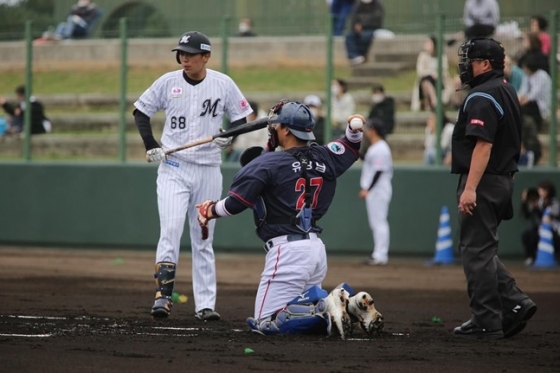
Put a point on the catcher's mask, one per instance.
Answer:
(193, 42)
(476, 50)
(296, 116)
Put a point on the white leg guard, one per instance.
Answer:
(295, 319)
(336, 302)
(362, 310)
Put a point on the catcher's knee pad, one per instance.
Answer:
(304, 318)
(294, 319)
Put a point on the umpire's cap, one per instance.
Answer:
(377, 125)
(193, 42)
(486, 49)
(296, 116)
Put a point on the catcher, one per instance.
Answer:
(289, 191)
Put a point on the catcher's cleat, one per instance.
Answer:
(337, 302)
(207, 315)
(362, 310)
(162, 308)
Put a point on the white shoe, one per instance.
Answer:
(362, 310)
(357, 60)
(336, 308)
(374, 262)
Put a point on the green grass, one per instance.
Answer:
(274, 79)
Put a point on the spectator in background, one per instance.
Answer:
(531, 149)
(382, 108)
(315, 105)
(532, 47)
(246, 27)
(340, 9)
(367, 17)
(82, 17)
(539, 25)
(534, 94)
(342, 106)
(431, 136)
(254, 138)
(480, 18)
(39, 122)
(532, 208)
(424, 91)
(513, 73)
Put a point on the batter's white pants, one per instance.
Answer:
(179, 189)
(377, 206)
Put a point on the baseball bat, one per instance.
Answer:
(239, 130)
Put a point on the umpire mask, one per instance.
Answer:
(479, 49)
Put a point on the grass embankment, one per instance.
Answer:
(276, 79)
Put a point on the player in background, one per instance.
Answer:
(289, 192)
(195, 100)
(376, 189)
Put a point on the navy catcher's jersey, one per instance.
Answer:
(277, 178)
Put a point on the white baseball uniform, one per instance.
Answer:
(378, 158)
(192, 175)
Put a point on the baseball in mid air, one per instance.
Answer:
(356, 124)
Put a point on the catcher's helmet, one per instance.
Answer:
(480, 49)
(296, 116)
(192, 42)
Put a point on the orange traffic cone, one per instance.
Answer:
(545, 250)
(444, 243)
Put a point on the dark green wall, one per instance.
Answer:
(115, 205)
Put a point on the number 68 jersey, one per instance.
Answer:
(194, 110)
(277, 178)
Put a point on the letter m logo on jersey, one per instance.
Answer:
(209, 108)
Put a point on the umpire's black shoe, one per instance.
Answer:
(516, 320)
(207, 315)
(470, 330)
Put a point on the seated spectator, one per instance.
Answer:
(513, 73)
(254, 138)
(534, 94)
(424, 92)
(342, 106)
(532, 208)
(39, 122)
(480, 17)
(367, 17)
(340, 10)
(246, 27)
(79, 23)
(382, 108)
(316, 106)
(532, 48)
(539, 24)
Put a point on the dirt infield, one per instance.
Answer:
(88, 311)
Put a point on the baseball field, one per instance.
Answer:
(75, 310)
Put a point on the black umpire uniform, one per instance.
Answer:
(485, 149)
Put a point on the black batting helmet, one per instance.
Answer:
(193, 42)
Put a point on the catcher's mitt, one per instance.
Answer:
(203, 219)
(249, 154)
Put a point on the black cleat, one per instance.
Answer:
(161, 308)
(516, 320)
(470, 330)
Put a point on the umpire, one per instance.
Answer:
(485, 149)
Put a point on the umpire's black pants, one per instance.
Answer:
(491, 289)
